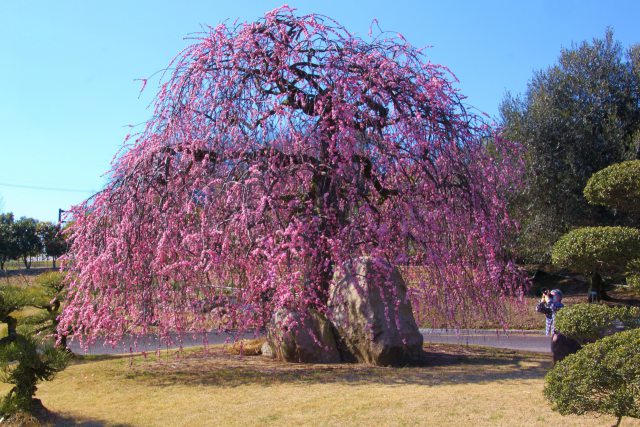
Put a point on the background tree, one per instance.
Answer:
(576, 118)
(53, 242)
(8, 244)
(28, 242)
(279, 150)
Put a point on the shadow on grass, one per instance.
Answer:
(49, 418)
(60, 420)
(84, 358)
(443, 364)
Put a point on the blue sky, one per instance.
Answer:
(67, 69)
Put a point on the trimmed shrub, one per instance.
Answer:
(590, 322)
(605, 250)
(616, 186)
(633, 274)
(603, 377)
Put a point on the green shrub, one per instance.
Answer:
(616, 186)
(606, 250)
(590, 322)
(603, 377)
(633, 274)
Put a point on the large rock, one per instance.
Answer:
(302, 337)
(369, 308)
(562, 346)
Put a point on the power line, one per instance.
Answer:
(36, 187)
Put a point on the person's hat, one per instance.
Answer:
(557, 292)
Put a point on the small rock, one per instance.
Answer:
(266, 350)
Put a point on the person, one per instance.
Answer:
(545, 296)
(555, 304)
(544, 307)
(549, 314)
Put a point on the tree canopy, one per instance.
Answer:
(8, 244)
(576, 117)
(616, 186)
(279, 150)
(53, 242)
(590, 322)
(602, 250)
(26, 239)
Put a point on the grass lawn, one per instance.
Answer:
(462, 386)
(19, 265)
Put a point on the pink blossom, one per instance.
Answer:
(278, 151)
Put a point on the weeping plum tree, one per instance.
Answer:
(278, 151)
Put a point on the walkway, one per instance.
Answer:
(515, 340)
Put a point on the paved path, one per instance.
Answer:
(151, 343)
(515, 340)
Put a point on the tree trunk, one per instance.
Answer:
(27, 262)
(54, 262)
(62, 342)
(597, 286)
(11, 328)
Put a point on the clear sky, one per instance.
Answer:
(67, 68)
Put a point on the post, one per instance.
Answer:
(60, 211)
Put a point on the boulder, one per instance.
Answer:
(562, 346)
(370, 311)
(302, 337)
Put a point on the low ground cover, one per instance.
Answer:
(461, 385)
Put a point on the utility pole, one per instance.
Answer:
(60, 221)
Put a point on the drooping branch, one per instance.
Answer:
(279, 150)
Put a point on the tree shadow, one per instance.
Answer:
(82, 359)
(442, 364)
(46, 417)
(64, 420)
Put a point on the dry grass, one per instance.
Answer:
(462, 385)
(23, 280)
(247, 347)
